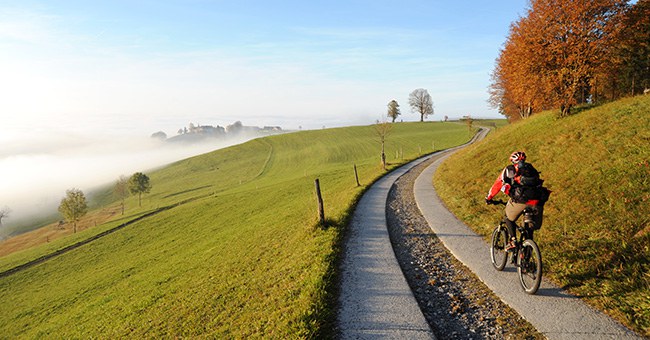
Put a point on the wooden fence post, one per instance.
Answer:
(321, 212)
(356, 175)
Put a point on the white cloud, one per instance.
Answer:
(25, 27)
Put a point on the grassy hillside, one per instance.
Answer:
(231, 248)
(595, 239)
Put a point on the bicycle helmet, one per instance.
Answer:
(517, 156)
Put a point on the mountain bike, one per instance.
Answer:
(525, 256)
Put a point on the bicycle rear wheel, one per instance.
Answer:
(529, 266)
(498, 252)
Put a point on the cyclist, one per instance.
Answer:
(521, 182)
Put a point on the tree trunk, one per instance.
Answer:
(383, 156)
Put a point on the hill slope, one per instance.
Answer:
(230, 248)
(596, 232)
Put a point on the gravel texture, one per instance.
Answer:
(454, 301)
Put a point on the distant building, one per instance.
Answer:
(203, 130)
(271, 129)
(197, 132)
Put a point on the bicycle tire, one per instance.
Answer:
(498, 253)
(529, 266)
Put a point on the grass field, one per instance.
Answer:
(595, 239)
(231, 248)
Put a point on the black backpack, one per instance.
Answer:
(527, 185)
(528, 176)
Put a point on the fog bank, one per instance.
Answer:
(35, 171)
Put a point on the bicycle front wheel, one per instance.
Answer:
(529, 266)
(498, 252)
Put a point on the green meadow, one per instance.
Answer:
(595, 239)
(226, 245)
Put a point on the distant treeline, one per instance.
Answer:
(198, 131)
(565, 53)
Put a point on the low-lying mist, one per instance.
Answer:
(35, 172)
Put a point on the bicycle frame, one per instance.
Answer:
(525, 231)
(525, 256)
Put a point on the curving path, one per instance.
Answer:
(375, 301)
(552, 311)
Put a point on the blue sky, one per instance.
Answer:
(143, 66)
(74, 75)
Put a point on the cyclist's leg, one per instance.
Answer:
(511, 227)
(513, 211)
(539, 218)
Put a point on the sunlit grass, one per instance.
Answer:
(596, 234)
(242, 257)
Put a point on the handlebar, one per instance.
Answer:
(496, 202)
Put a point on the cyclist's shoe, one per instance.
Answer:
(512, 245)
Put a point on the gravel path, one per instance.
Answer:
(456, 304)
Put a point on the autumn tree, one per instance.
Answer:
(575, 47)
(421, 102)
(516, 88)
(73, 206)
(139, 184)
(553, 55)
(393, 110)
(627, 71)
(121, 190)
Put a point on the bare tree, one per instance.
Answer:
(4, 213)
(393, 110)
(121, 190)
(383, 129)
(421, 102)
(469, 121)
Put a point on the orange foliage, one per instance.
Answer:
(628, 69)
(554, 56)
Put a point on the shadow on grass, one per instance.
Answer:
(186, 191)
(329, 223)
(577, 110)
